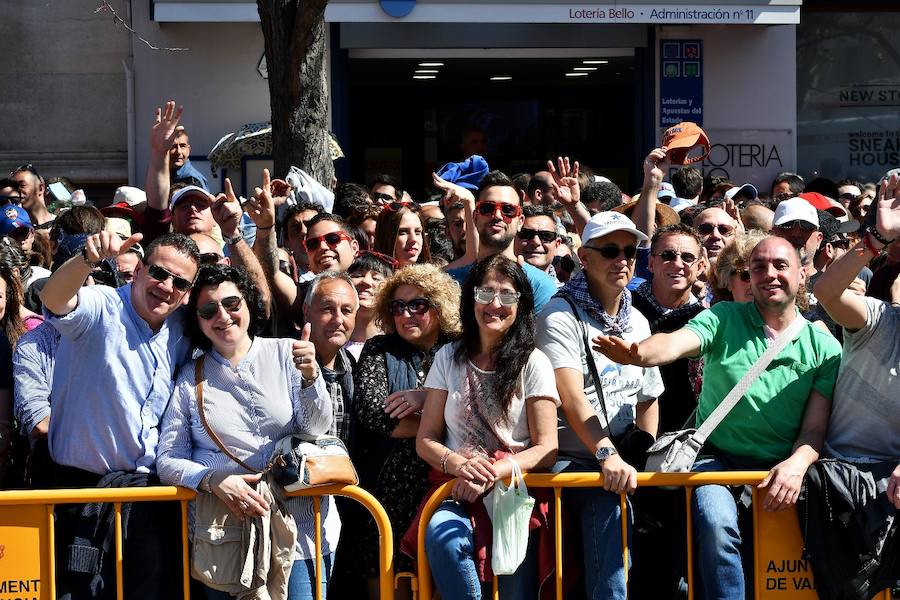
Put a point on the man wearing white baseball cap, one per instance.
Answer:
(797, 221)
(598, 426)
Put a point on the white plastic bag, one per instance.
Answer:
(510, 510)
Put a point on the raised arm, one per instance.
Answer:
(843, 305)
(162, 136)
(566, 191)
(656, 350)
(452, 194)
(644, 215)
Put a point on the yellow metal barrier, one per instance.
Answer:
(781, 526)
(29, 533)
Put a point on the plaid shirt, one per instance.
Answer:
(339, 383)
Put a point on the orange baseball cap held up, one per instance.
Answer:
(680, 139)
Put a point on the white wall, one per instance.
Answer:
(749, 94)
(216, 80)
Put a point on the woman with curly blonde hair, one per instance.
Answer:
(730, 276)
(418, 309)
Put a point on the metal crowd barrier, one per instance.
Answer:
(27, 551)
(688, 481)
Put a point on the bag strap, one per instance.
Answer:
(589, 359)
(747, 380)
(198, 383)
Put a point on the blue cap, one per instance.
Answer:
(12, 217)
(467, 174)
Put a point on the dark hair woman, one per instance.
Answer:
(255, 391)
(399, 233)
(490, 394)
(368, 273)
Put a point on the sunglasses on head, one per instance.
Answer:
(803, 225)
(487, 295)
(395, 206)
(783, 196)
(611, 252)
(416, 306)
(208, 310)
(332, 239)
(161, 274)
(209, 258)
(744, 274)
(507, 211)
(708, 228)
(670, 256)
(26, 167)
(384, 258)
(545, 236)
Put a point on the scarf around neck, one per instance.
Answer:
(577, 290)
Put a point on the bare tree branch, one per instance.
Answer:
(105, 6)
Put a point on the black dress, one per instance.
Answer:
(389, 468)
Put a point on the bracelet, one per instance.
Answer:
(869, 245)
(444, 460)
(265, 228)
(93, 265)
(873, 230)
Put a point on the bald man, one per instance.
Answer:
(757, 216)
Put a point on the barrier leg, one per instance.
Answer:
(623, 505)
(51, 544)
(689, 534)
(557, 531)
(318, 558)
(185, 561)
(119, 552)
(757, 581)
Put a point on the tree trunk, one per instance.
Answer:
(294, 33)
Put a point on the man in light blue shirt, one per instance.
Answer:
(498, 218)
(118, 351)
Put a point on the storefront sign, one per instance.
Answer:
(748, 156)
(680, 82)
(650, 13)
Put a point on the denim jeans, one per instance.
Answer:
(717, 537)
(300, 585)
(450, 549)
(599, 512)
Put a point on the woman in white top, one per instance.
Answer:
(489, 394)
(255, 391)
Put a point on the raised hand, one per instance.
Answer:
(404, 403)
(888, 206)
(304, 353)
(730, 206)
(261, 207)
(226, 210)
(452, 193)
(564, 188)
(655, 166)
(166, 127)
(103, 245)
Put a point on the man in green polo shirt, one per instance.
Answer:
(778, 425)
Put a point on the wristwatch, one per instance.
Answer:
(231, 241)
(604, 452)
(88, 262)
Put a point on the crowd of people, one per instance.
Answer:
(547, 319)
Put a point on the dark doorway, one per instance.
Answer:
(410, 127)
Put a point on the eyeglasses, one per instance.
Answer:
(332, 239)
(708, 228)
(612, 252)
(783, 196)
(564, 263)
(388, 260)
(209, 258)
(507, 211)
(803, 225)
(849, 197)
(842, 242)
(670, 256)
(395, 206)
(487, 295)
(208, 310)
(416, 306)
(160, 274)
(744, 274)
(546, 237)
(382, 198)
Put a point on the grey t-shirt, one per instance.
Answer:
(559, 336)
(865, 414)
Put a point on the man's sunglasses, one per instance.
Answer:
(395, 206)
(613, 252)
(10, 199)
(160, 274)
(507, 211)
(208, 310)
(670, 256)
(332, 239)
(487, 295)
(382, 198)
(744, 274)
(209, 258)
(416, 306)
(803, 225)
(546, 237)
(848, 197)
(708, 228)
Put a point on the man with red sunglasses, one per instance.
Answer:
(497, 219)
